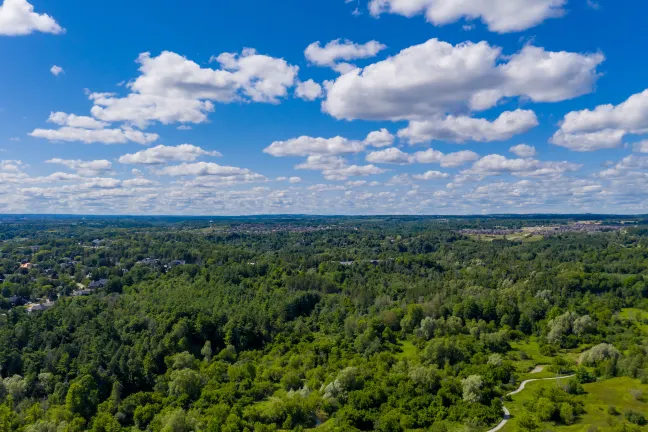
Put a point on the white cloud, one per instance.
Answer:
(140, 109)
(294, 180)
(322, 162)
(389, 156)
(451, 160)
(605, 126)
(501, 16)
(91, 168)
(172, 88)
(460, 129)
(204, 169)
(308, 90)
(306, 146)
(242, 76)
(56, 70)
(396, 156)
(75, 121)
(88, 136)
(336, 50)
(640, 147)
(495, 164)
(351, 171)
(436, 78)
(523, 150)
(431, 175)
(17, 18)
(163, 154)
(380, 138)
(139, 183)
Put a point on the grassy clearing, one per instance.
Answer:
(638, 316)
(408, 351)
(523, 237)
(599, 397)
(526, 356)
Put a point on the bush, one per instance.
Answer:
(637, 394)
(613, 411)
(635, 417)
(567, 413)
(584, 376)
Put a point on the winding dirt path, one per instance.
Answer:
(507, 414)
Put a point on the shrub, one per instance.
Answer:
(637, 394)
(599, 353)
(613, 411)
(567, 413)
(635, 417)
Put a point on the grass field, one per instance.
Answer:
(409, 350)
(523, 237)
(638, 315)
(601, 395)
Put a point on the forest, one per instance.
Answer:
(323, 323)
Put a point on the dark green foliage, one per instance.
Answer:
(387, 324)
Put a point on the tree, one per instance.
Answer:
(472, 388)
(206, 351)
(566, 413)
(82, 397)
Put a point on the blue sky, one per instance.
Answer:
(396, 106)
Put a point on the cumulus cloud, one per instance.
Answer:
(75, 121)
(495, 164)
(397, 156)
(174, 89)
(345, 172)
(305, 146)
(336, 50)
(604, 127)
(17, 18)
(163, 154)
(322, 162)
(141, 109)
(501, 16)
(312, 146)
(461, 129)
(207, 169)
(89, 136)
(640, 147)
(91, 168)
(308, 90)
(56, 70)
(389, 156)
(380, 138)
(436, 78)
(523, 150)
(139, 183)
(431, 175)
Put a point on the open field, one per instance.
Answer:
(523, 237)
(599, 396)
(638, 315)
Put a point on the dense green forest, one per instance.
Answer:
(325, 324)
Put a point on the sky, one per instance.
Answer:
(323, 107)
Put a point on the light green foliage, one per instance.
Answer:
(599, 353)
(268, 325)
(472, 388)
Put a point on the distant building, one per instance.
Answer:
(40, 307)
(82, 292)
(17, 300)
(101, 283)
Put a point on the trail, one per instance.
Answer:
(507, 414)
